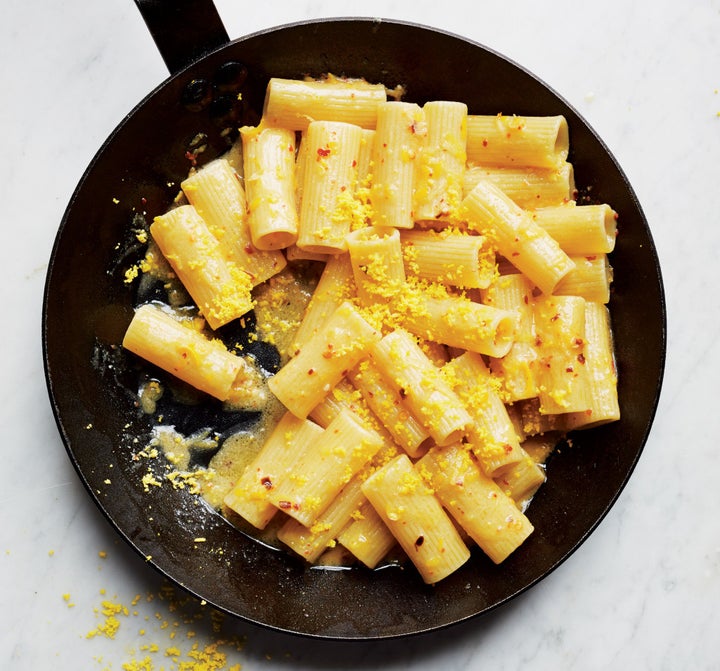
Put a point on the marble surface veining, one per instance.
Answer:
(643, 592)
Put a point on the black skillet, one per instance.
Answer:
(192, 116)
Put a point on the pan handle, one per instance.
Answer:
(183, 30)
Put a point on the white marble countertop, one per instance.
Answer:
(643, 592)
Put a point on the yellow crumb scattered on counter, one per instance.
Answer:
(110, 625)
(181, 633)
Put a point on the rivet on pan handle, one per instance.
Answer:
(183, 30)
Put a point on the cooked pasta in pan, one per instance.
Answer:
(450, 320)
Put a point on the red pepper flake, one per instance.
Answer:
(323, 152)
(591, 258)
(485, 143)
(516, 253)
(266, 482)
(249, 249)
(419, 541)
(354, 163)
(508, 448)
(569, 369)
(192, 157)
(526, 299)
(285, 505)
(311, 371)
(403, 393)
(581, 358)
(579, 342)
(555, 317)
(327, 354)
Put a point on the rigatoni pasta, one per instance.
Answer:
(218, 196)
(455, 321)
(294, 104)
(330, 176)
(396, 149)
(510, 140)
(416, 519)
(519, 239)
(220, 289)
(189, 355)
(269, 172)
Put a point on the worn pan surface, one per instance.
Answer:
(87, 307)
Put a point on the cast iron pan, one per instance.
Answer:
(87, 307)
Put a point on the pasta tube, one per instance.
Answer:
(477, 503)
(377, 263)
(269, 161)
(294, 104)
(219, 198)
(395, 151)
(430, 399)
(325, 467)
(188, 355)
(367, 536)
(321, 363)
(220, 289)
(522, 480)
(515, 370)
(590, 278)
(334, 287)
(600, 364)
(449, 257)
(492, 434)
(417, 520)
(580, 229)
(367, 143)
(274, 462)
(563, 381)
(329, 181)
(388, 404)
(441, 164)
(519, 239)
(311, 541)
(505, 140)
(459, 322)
(529, 188)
